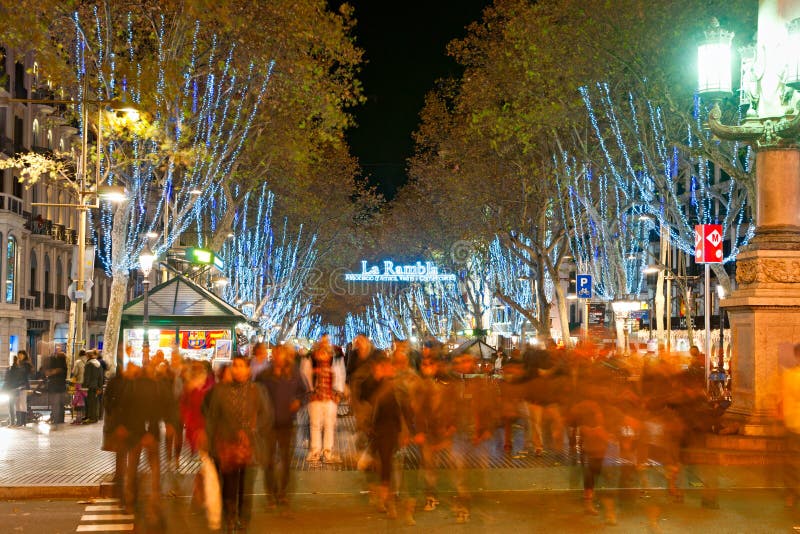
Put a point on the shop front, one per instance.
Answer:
(182, 316)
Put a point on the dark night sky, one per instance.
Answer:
(404, 44)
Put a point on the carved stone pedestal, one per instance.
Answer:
(764, 310)
(765, 325)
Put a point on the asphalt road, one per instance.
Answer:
(741, 511)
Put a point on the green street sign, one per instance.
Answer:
(201, 256)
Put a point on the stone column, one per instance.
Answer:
(764, 310)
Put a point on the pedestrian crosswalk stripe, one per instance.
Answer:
(108, 517)
(105, 528)
(114, 520)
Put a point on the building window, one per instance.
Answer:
(11, 269)
(34, 274)
(47, 274)
(36, 131)
(59, 278)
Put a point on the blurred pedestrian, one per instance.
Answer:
(790, 411)
(594, 444)
(26, 372)
(237, 415)
(538, 365)
(388, 417)
(286, 391)
(323, 406)
(115, 434)
(141, 415)
(197, 382)
(12, 383)
(435, 420)
(56, 373)
(359, 370)
(259, 360)
(474, 404)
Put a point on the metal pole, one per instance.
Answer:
(669, 313)
(78, 343)
(707, 314)
(146, 322)
(585, 320)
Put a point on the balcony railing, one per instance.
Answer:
(58, 232)
(49, 301)
(62, 303)
(97, 314)
(10, 203)
(26, 303)
(41, 226)
(36, 296)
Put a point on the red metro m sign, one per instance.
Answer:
(708, 243)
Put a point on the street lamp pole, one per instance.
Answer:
(146, 259)
(111, 193)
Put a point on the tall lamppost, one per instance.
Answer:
(764, 311)
(84, 192)
(146, 259)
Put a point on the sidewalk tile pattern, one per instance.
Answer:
(71, 455)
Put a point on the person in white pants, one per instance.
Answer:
(323, 403)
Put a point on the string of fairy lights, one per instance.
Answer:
(216, 104)
(268, 276)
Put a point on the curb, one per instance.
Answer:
(10, 493)
(561, 478)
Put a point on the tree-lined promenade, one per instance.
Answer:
(572, 136)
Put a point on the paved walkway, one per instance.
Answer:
(40, 461)
(71, 455)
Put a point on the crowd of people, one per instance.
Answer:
(54, 385)
(241, 417)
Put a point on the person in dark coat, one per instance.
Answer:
(142, 412)
(237, 414)
(286, 391)
(93, 384)
(56, 373)
(114, 432)
(11, 385)
(26, 371)
(388, 416)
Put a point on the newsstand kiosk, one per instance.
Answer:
(184, 316)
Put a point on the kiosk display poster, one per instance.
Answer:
(222, 350)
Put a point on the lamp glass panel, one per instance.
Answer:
(792, 51)
(146, 262)
(714, 68)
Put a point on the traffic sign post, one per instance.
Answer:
(707, 250)
(583, 284)
(74, 294)
(583, 288)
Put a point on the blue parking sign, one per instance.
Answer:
(583, 283)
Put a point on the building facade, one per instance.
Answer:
(37, 242)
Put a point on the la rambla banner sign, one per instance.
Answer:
(417, 272)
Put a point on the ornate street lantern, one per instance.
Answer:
(146, 260)
(714, 62)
